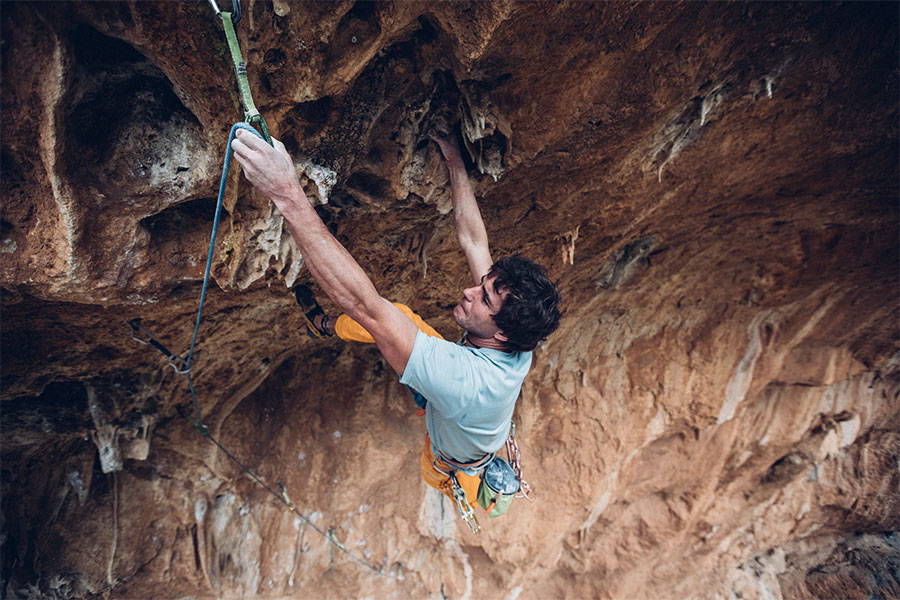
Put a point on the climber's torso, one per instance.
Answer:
(471, 394)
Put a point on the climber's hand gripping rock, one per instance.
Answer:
(449, 149)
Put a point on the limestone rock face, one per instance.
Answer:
(714, 186)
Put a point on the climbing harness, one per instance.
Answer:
(183, 365)
(472, 466)
(500, 481)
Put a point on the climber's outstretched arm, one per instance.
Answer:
(271, 171)
(469, 225)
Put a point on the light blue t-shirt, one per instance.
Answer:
(471, 394)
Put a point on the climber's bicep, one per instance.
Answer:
(478, 255)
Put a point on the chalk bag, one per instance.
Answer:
(498, 487)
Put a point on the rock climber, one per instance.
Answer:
(470, 387)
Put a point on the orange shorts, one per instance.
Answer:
(351, 331)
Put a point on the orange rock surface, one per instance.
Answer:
(714, 186)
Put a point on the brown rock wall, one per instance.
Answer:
(714, 186)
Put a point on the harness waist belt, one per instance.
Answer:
(475, 465)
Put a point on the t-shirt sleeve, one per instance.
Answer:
(442, 372)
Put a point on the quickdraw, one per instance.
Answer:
(466, 512)
(235, 10)
(229, 20)
(463, 506)
(175, 361)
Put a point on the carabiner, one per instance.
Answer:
(235, 10)
(178, 364)
(463, 506)
(136, 329)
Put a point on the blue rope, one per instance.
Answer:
(198, 418)
(215, 231)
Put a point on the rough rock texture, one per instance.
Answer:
(714, 186)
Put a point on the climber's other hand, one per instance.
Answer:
(448, 148)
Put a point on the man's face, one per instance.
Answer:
(475, 312)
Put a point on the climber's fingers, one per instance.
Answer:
(247, 157)
(242, 151)
(245, 142)
(448, 147)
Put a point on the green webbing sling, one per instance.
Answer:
(251, 115)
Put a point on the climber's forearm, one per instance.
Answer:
(332, 266)
(271, 171)
(469, 225)
(470, 229)
(341, 277)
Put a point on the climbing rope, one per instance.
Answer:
(212, 239)
(183, 365)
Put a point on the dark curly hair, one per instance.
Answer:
(530, 311)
